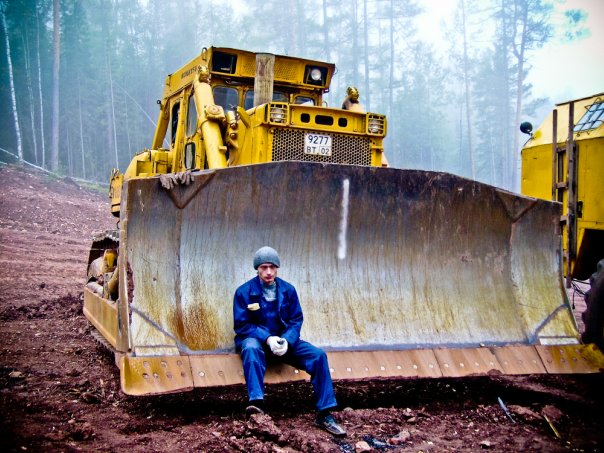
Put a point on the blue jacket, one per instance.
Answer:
(249, 321)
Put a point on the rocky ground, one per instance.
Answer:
(59, 390)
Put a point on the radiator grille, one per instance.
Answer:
(288, 144)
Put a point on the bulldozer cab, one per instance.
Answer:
(233, 76)
(230, 107)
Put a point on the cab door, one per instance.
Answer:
(193, 155)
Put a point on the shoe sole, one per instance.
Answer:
(338, 434)
(251, 410)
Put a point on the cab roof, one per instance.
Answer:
(588, 121)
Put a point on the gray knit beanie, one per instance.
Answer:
(266, 255)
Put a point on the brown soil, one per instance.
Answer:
(59, 390)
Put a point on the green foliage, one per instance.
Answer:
(115, 56)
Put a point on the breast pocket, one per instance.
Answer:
(254, 312)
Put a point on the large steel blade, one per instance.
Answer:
(382, 258)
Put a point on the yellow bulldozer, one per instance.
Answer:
(563, 161)
(401, 273)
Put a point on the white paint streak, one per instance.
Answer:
(140, 200)
(343, 220)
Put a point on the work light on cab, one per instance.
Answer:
(315, 75)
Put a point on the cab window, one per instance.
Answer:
(278, 96)
(226, 97)
(174, 121)
(191, 117)
(304, 100)
(190, 156)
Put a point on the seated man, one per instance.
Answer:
(268, 318)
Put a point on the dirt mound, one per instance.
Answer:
(59, 390)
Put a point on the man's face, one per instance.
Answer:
(267, 273)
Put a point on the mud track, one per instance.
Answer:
(59, 390)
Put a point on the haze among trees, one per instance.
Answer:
(80, 78)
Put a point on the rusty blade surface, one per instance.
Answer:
(382, 258)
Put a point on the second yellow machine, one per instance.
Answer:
(563, 160)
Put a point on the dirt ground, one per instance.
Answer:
(59, 390)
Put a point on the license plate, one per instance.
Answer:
(317, 144)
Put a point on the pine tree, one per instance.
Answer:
(525, 27)
(54, 156)
(12, 82)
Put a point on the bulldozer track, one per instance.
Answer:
(101, 341)
(112, 235)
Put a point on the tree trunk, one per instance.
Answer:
(12, 85)
(299, 31)
(326, 49)
(391, 74)
(127, 124)
(293, 27)
(355, 42)
(367, 93)
(81, 128)
(117, 162)
(42, 141)
(54, 153)
(520, 82)
(506, 44)
(30, 93)
(492, 154)
(69, 150)
(466, 77)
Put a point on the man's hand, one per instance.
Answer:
(278, 345)
(273, 343)
(282, 347)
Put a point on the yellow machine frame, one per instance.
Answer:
(569, 168)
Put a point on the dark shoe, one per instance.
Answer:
(255, 407)
(328, 423)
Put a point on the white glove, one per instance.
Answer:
(278, 345)
(171, 180)
(283, 347)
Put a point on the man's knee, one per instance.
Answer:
(322, 358)
(251, 348)
(252, 343)
(316, 353)
(313, 357)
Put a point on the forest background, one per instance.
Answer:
(80, 78)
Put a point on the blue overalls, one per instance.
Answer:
(255, 319)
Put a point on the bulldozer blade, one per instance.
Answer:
(387, 263)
